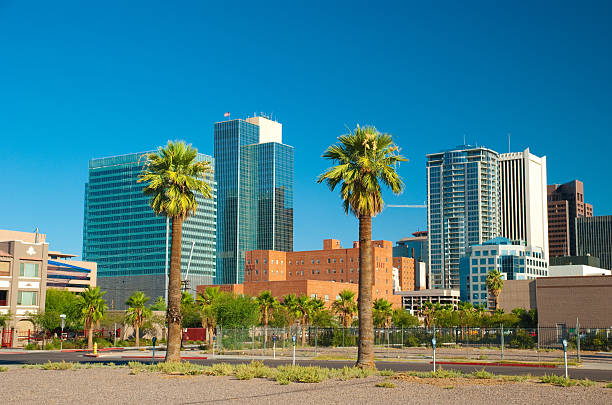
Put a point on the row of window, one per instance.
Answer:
(24, 298)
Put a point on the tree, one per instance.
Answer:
(137, 312)
(173, 177)
(365, 159)
(382, 313)
(236, 311)
(345, 307)
(303, 308)
(5, 319)
(494, 283)
(159, 305)
(266, 302)
(64, 302)
(206, 301)
(402, 318)
(426, 312)
(191, 316)
(93, 309)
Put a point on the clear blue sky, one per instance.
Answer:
(79, 81)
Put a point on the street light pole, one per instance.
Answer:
(433, 343)
(63, 320)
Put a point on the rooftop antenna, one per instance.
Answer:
(36, 235)
(464, 139)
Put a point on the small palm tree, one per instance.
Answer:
(365, 159)
(495, 283)
(206, 302)
(290, 302)
(173, 177)
(383, 311)
(137, 312)
(345, 307)
(266, 302)
(426, 311)
(93, 309)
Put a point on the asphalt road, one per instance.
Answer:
(398, 366)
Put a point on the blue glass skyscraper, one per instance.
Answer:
(463, 207)
(122, 234)
(254, 179)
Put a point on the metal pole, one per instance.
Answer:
(433, 343)
(166, 266)
(578, 339)
(274, 348)
(502, 340)
(538, 342)
(115, 336)
(293, 349)
(316, 336)
(565, 356)
(253, 340)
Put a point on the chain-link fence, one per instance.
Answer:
(549, 337)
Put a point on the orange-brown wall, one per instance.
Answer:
(405, 267)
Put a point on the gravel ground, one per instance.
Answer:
(116, 386)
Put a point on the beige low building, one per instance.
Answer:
(23, 272)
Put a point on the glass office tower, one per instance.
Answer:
(462, 207)
(255, 193)
(122, 234)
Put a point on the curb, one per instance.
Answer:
(162, 357)
(496, 364)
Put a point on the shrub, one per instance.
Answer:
(180, 368)
(58, 365)
(385, 384)
(301, 374)
(522, 340)
(558, 380)
(386, 373)
(348, 373)
(31, 346)
(482, 374)
(3, 369)
(412, 341)
(220, 369)
(608, 385)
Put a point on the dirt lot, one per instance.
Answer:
(117, 386)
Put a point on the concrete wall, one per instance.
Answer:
(563, 299)
(518, 294)
(119, 289)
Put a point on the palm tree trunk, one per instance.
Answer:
(265, 328)
(137, 336)
(90, 336)
(365, 352)
(303, 331)
(173, 315)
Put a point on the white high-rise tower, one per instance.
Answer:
(524, 210)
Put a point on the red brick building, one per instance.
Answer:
(316, 273)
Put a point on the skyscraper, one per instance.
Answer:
(524, 211)
(122, 234)
(565, 204)
(463, 207)
(594, 237)
(255, 193)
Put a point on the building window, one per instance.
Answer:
(328, 260)
(326, 297)
(334, 260)
(256, 261)
(26, 298)
(265, 261)
(5, 268)
(28, 269)
(317, 261)
(341, 260)
(312, 261)
(302, 261)
(3, 298)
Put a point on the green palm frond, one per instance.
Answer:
(173, 176)
(364, 159)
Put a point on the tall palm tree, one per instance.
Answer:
(93, 309)
(494, 283)
(290, 302)
(345, 307)
(173, 177)
(206, 302)
(137, 312)
(303, 308)
(365, 159)
(266, 302)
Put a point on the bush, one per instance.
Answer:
(412, 341)
(558, 380)
(3, 369)
(385, 384)
(522, 340)
(482, 374)
(31, 346)
(301, 374)
(386, 373)
(58, 365)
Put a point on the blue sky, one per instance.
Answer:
(80, 80)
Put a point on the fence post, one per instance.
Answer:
(538, 331)
(578, 339)
(402, 337)
(316, 336)
(502, 340)
(253, 339)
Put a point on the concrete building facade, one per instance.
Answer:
(524, 210)
(565, 204)
(413, 301)
(63, 272)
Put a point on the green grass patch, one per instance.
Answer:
(385, 384)
(516, 378)
(608, 385)
(558, 380)
(3, 369)
(482, 375)
(386, 373)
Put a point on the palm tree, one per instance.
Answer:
(266, 302)
(495, 283)
(345, 306)
(206, 302)
(365, 159)
(290, 301)
(93, 309)
(383, 311)
(426, 311)
(137, 312)
(303, 308)
(173, 177)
